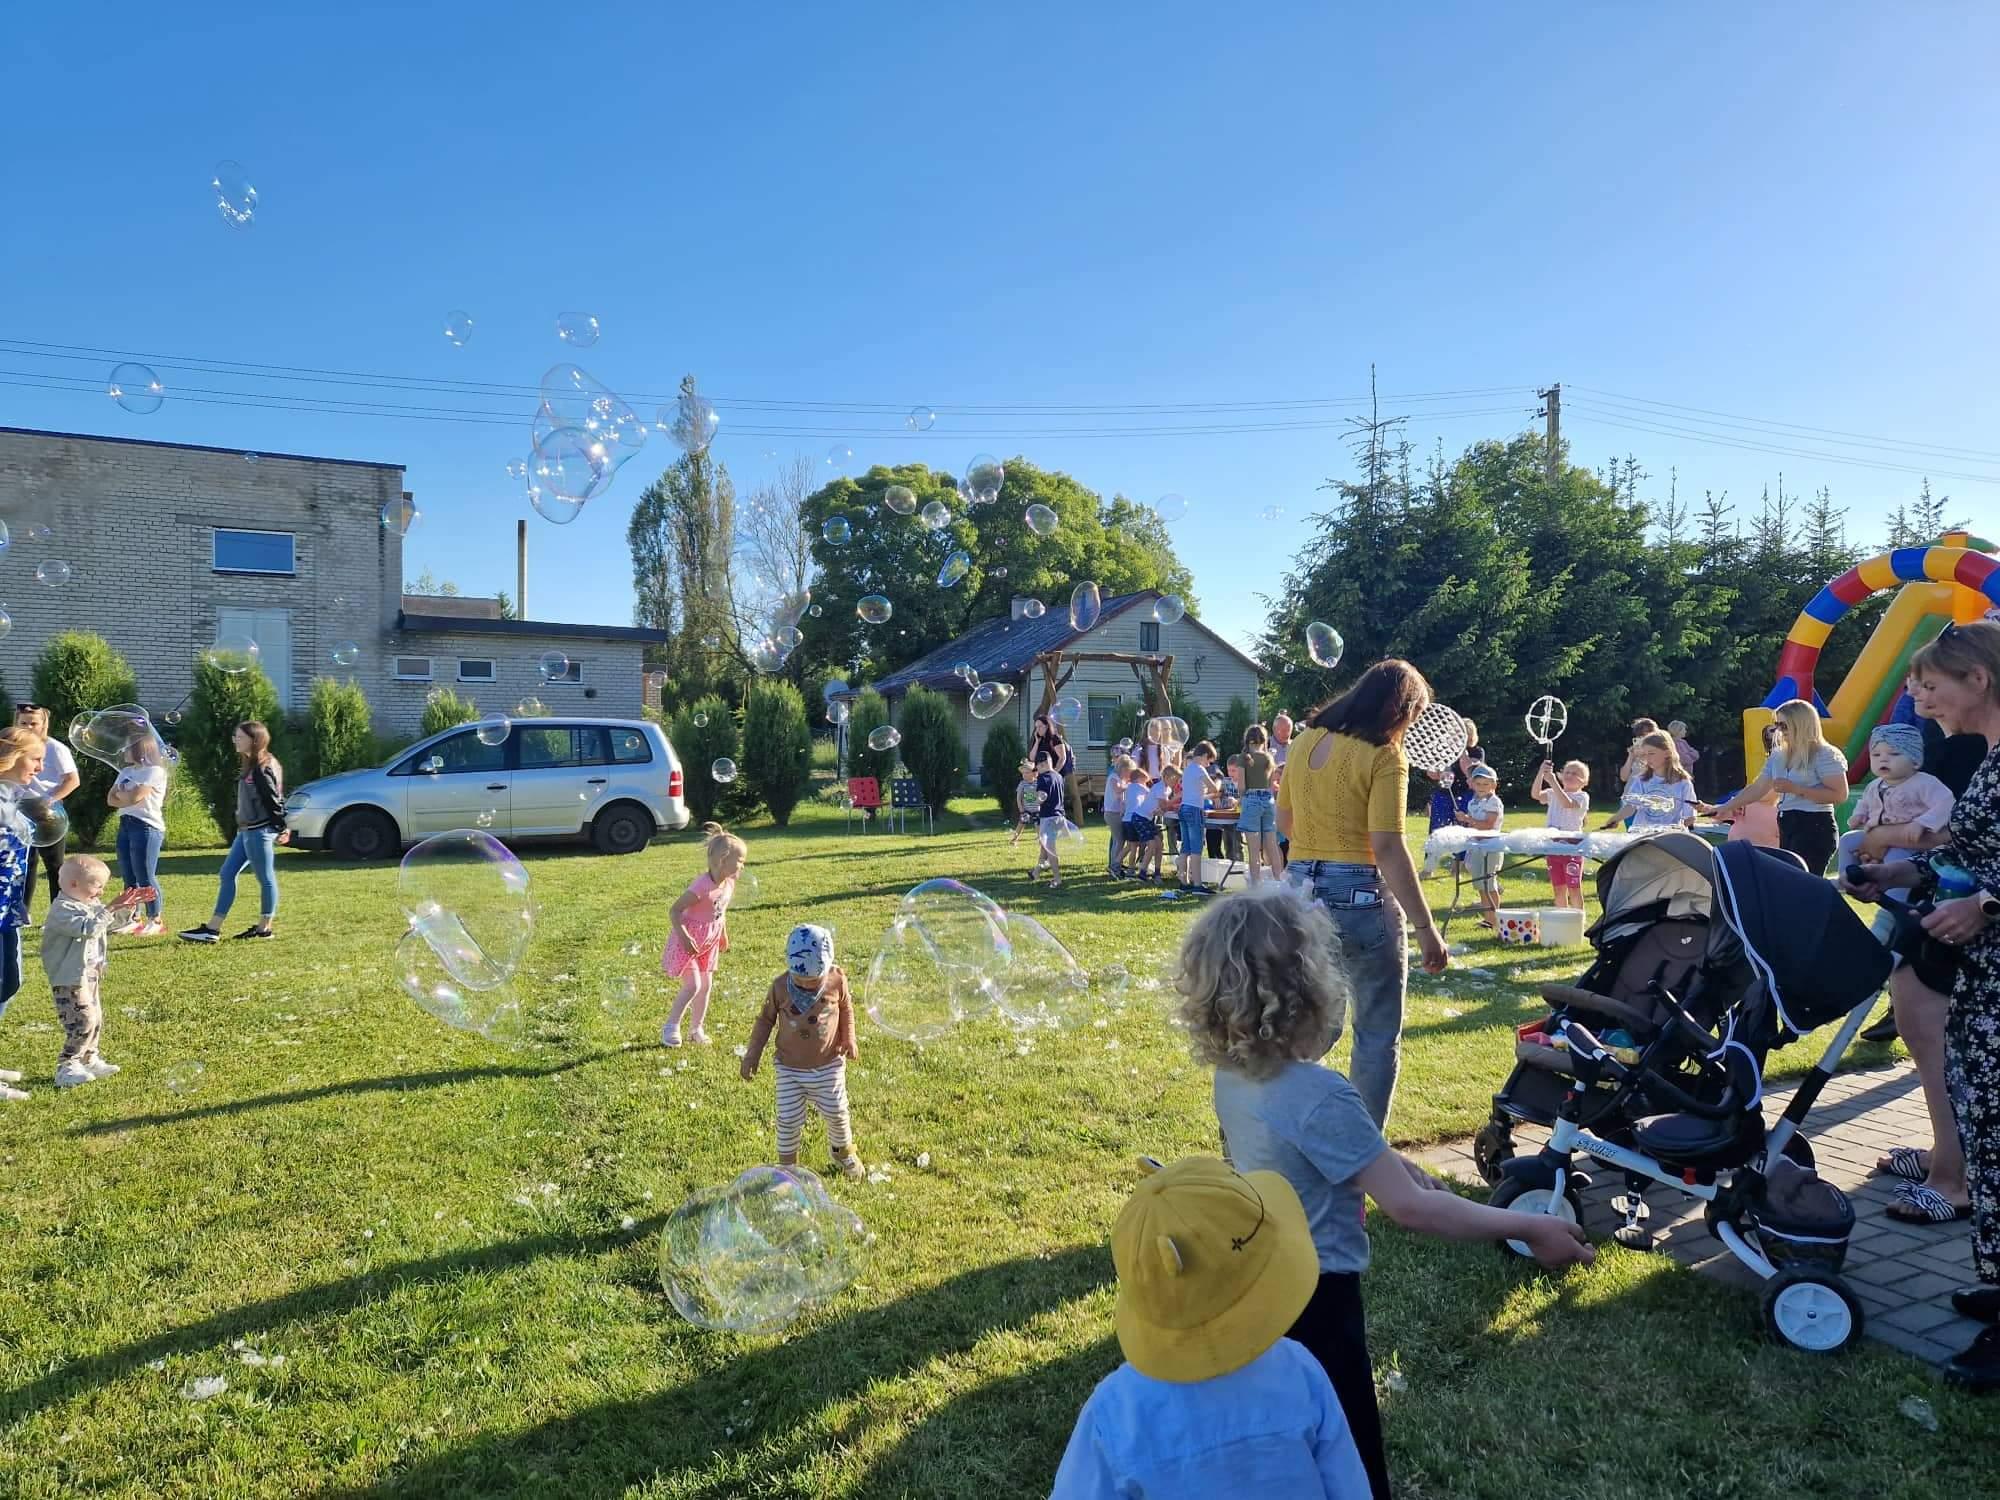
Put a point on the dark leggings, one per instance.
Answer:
(1811, 835)
(1335, 1330)
(51, 856)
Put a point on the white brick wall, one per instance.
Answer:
(612, 673)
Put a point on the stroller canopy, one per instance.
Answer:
(1816, 957)
(1676, 868)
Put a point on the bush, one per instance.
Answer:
(870, 714)
(337, 733)
(777, 747)
(220, 701)
(699, 746)
(444, 709)
(931, 746)
(1229, 735)
(76, 673)
(1128, 723)
(1195, 715)
(1000, 765)
(189, 823)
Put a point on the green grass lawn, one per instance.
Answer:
(452, 1247)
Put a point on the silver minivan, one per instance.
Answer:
(615, 781)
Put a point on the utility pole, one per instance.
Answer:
(1552, 409)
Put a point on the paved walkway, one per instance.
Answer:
(1903, 1274)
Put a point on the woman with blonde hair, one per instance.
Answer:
(21, 753)
(1810, 778)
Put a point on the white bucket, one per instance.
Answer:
(1561, 928)
(1520, 927)
(1212, 871)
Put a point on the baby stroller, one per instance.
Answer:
(1653, 1063)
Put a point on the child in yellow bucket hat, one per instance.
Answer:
(1212, 1399)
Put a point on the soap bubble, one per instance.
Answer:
(618, 994)
(939, 962)
(790, 637)
(575, 401)
(563, 476)
(577, 329)
(1034, 609)
(250, 458)
(399, 515)
(1041, 984)
(790, 608)
(1170, 507)
(837, 711)
(136, 388)
(1123, 747)
(1040, 518)
(989, 698)
(712, 641)
(1166, 730)
(232, 654)
(936, 515)
(54, 572)
(966, 674)
(907, 992)
(5, 536)
(1273, 513)
(552, 665)
(955, 567)
(691, 422)
(838, 531)
(494, 729)
(750, 1257)
(874, 609)
(492, 1011)
(235, 198)
(346, 653)
(1323, 644)
(901, 499)
(749, 890)
(183, 1077)
(517, 468)
(657, 681)
(36, 532)
(884, 737)
(997, 572)
(701, 721)
(1086, 604)
(41, 821)
(839, 458)
(531, 708)
(119, 736)
(983, 478)
(458, 326)
(6, 624)
(723, 770)
(469, 902)
(766, 653)
(1168, 608)
(815, 611)
(920, 419)
(1068, 712)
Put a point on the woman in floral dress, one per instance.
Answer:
(1959, 675)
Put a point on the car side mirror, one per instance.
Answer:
(430, 765)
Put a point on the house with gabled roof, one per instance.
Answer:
(1206, 668)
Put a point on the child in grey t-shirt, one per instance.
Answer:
(1263, 998)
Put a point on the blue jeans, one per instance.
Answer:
(1259, 815)
(1374, 954)
(257, 848)
(1191, 821)
(10, 966)
(139, 858)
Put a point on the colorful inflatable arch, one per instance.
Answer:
(1956, 579)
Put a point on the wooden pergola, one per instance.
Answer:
(1058, 667)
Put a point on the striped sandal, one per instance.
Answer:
(1916, 1204)
(1906, 1162)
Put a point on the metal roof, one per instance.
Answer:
(236, 453)
(414, 624)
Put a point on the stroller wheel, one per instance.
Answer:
(1811, 1312)
(1517, 1195)
(1492, 1146)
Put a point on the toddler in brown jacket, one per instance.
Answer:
(813, 1015)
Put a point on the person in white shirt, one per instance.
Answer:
(1484, 814)
(140, 795)
(1568, 801)
(1198, 784)
(55, 781)
(1142, 834)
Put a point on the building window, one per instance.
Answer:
(254, 552)
(572, 672)
(1102, 711)
(475, 669)
(413, 669)
(1149, 635)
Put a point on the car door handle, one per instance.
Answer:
(496, 786)
(594, 781)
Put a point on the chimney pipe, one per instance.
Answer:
(521, 569)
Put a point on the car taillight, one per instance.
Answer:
(674, 782)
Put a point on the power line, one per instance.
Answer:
(1772, 425)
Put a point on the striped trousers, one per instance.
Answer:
(826, 1088)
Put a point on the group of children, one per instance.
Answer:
(1140, 805)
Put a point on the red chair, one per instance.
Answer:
(864, 795)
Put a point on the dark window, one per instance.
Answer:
(572, 672)
(253, 552)
(1149, 635)
(629, 745)
(561, 745)
(460, 753)
(475, 669)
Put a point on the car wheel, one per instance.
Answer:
(622, 828)
(364, 833)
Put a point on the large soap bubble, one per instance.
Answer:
(838, 531)
(1068, 712)
(235, 198)
(749, 1257)
(552, 665)
(1323, 644)
(983, 478)
(901, 499)
(1086, 604)
(884, 737)
(42, 821)
(577, 329)
(1034, 609)
(840, 458)
(53, 571)
(458, 327)
(564, 473)
(232, 654)
(119, 736)
(136, 388)
(954, 568)
(613, 432)
(1040, 984)
(468, 898)
(1170, 507)
(399, 515)
(940, 962)
(723, 770)
(691, 422)
(493, 1012)
(989, 698)
(936, 515)
(1040, 518)
(1169, 608)
(920, 419)
(875, 609)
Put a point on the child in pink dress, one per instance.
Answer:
(700, 936)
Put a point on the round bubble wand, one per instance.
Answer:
(1547, 719)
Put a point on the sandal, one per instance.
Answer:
(1916, 1204)
(1906, 1162)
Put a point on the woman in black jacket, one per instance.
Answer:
(260, 828)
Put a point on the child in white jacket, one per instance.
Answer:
(73, 957)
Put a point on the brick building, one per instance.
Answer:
(172, 547)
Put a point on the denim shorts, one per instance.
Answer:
(1140, 831)
(1191, 825)
(1259, 815)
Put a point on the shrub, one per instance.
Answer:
(338, 735)
(1229, 734)
(931, 746)
(444, 709)
(220, 701)
(777, 747)
(1129, 723)
(699, 746)
(1000, 765)
(1195, 715)
(76, 673)
(870, 714)
(189, 823)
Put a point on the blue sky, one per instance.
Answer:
(1783, 215)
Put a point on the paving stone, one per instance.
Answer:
(1918, 1317)
(1925, 1348)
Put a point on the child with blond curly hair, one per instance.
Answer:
(700, 934)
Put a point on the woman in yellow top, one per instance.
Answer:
(1341, 803)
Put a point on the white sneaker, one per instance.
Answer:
(11, 1094)
(701, 1038)
(10, 1075)
(72, 1073)
(127, 929)
(670, 1035)
(99, 1068)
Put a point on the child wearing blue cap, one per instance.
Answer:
(813, 1015)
